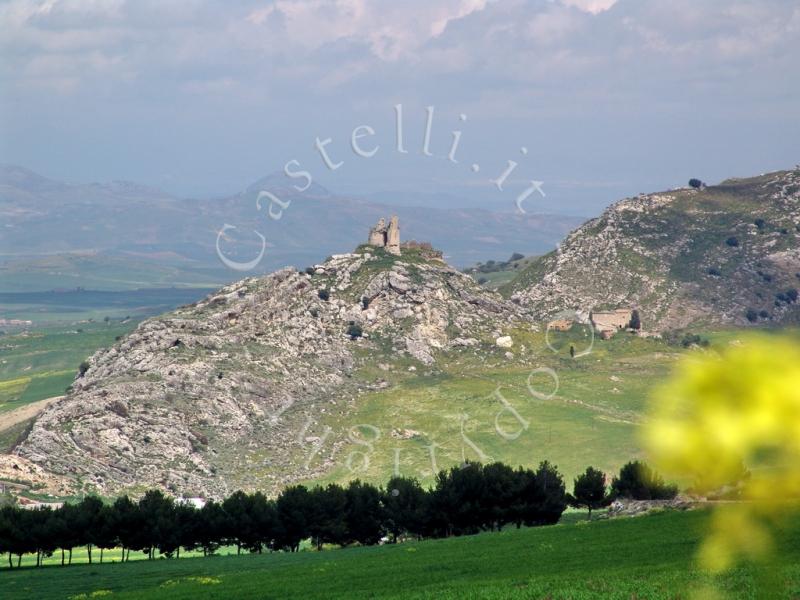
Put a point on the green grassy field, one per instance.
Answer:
(591, 419)
(42, 362)
(647, 557)
(105, 272)
(55, 307)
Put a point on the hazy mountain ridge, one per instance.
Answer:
(43, 217)
(715, 255)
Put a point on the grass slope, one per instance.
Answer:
(41, 363)
(591, 419)
(647, 557)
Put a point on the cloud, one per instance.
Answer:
(591, 6)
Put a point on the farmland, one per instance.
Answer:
(645, 557)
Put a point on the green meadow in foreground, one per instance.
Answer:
(645, 557)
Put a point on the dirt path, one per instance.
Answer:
(23, 413)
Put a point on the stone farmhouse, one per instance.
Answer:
(607, 323)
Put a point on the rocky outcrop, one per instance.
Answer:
(726, 254)
(227, 393)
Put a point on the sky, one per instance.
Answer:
(595, 99)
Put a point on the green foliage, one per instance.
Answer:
(648, 557)
(636, 480)
(82, 368)
(695, 183)
(324, 294)
(589, 490)
(694, 339)
(354, 330)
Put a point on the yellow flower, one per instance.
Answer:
(719, 414)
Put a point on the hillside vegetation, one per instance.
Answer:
(724, 254)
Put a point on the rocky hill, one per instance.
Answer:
(724, 254)
(222, 394)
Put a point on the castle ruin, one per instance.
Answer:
(386, 236)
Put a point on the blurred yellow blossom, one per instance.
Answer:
(721, 413)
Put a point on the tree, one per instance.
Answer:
(457, 504)
(88, 522)
(498, 496)
(158, 532)
(238, 523)
(589, 490)
(516, 256)
(695, 183)
(14, 539)
(636, 321)
(106, 533)
(265, 521)
(128, 524)
(210, 524)
(404, 506)
(328, 520)
(363, 513)
(637, 481)
(250, 522)
(293, 508)
(732, 241)
(549, 495)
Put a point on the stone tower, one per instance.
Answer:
(393, 237)
(386, 236)
(377, 235)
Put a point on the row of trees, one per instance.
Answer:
(463, 500)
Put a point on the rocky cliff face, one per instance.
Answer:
(716, 255)
(219, 395)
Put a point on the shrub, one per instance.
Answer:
(482, 280)
(638, 481)
(732, 242)
(713, 271)
(309, 270)
(695, 183)
(516, 256)
(759, 223)
(692, 339)
(764, 314)
(82, 368)
(636, 321)
(365, 303)
(354, 330)
(324, 295)
(751, 315)
(791, 295)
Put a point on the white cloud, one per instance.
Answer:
(591, 6)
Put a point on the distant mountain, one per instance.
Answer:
(724, 254)
(42, 217)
